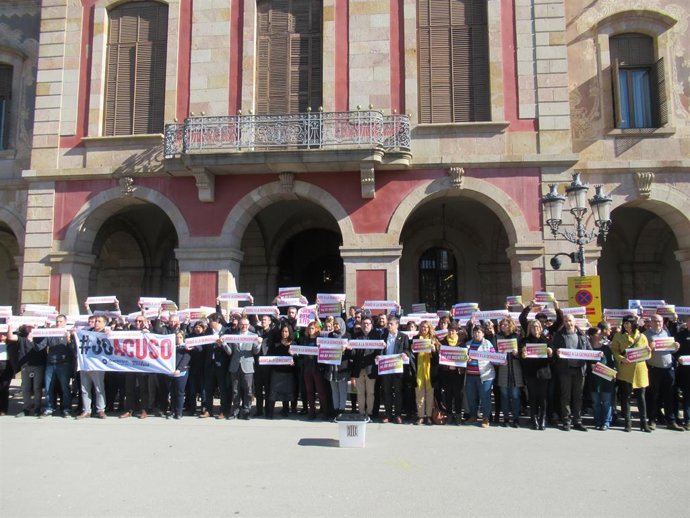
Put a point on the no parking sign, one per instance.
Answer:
(586, 292)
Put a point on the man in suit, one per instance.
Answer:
(396, 343)
(242, 370)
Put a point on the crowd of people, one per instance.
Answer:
(554, 389)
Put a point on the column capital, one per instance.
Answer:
(64, 261)
(371, 254)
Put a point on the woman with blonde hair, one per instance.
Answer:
(537, 374)
(426, 363)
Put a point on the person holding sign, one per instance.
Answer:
(282, 386)
(177, 383)
(241, 370)
(632, 376)
(216, 369)
(313, 379)
(364, 368)
(396, 343)
(571, 373)
(662, 375)
(480, 378)
(602, 390)
(451, 378)
(426, 362)
(59, 361)
(537, 372)
(339, 375)
(683, 370)
(510, 379)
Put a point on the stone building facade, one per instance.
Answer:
(388, 149)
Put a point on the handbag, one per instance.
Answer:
(437, 416)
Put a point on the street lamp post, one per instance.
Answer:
(576, 193)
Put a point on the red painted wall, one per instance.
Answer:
(537, 279)
(203, 288)
(55, 285)
(371, 285)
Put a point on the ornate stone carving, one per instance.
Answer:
(644, 181)
(287, 181)
(127, 186)
(457, 175)
(367, 181)
(206, 184)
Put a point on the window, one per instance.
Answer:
(638, 82)
(453, 53)
(437, 279)
(5, 96)
(135, 70)
(289, 61)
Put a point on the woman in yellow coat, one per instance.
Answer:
(632, 376)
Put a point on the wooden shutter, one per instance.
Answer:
(453, 54)
(135, 70)
(289, 61)
(5, 96)
(616, 86)
(660, 103)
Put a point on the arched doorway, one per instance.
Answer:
(454, 248)
(9, 250)
(134, 251)
(637, 261)
(291, 243)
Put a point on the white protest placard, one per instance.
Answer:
(443, 313)
(619, 313)
(506, 345)
(149, 353)
(651, 303)
(684, 360)
(4, 328)
(5, 312)
(237, 297)
(366, 344)
(603, 371)
(637, 354)
(422, 345)
(332, 342)
(579, 354)
(276, 360)
(16, 321)
(330, 352)
(544, 297)
(664, 344)
(330, 298)
(3, 352)
(453, 356)
(152, 302)
(306, 315)
(441, 333)
(304, 350)
(683, 310)
(410, 334)
(250, 338)
(290, 301)
(490, 315)
(330, 309)
(291, 292)
(198, 341)
(514, 300)
(419, 307)
(667, 310)
(389, 306)
(103, 299)
(49, 332)
(410, 318)
(261, 310)
(536, 351)
(464, 309)
(390, 364)
(577, 310)
(489, 356)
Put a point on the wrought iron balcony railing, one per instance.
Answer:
(300, 131)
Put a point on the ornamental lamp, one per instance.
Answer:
(553, 208)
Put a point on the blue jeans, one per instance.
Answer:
(510, 401)
(63, 372)
(478, 394)
(602, 402)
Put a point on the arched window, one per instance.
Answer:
(135, 69)
(638, 82)
(453, 53)
(437, 279)
(289, 60)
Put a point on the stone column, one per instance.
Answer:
(223, 261)
(683, 257)
(38, 241)
(371, 273)
(74, 270)
(525, 258)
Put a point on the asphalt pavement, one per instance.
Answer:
(291, 467)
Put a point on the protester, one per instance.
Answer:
(537, 372)
(509, 378)
(178, 381)
(396, 343)
(426, 364)
(59, 360)
(216, 370)
(479, 379)
(241, 370)
(602, 390)
(451, 378)
(364, 372)
(93, 380)
(282, 388)
(339, 375)
(313, 378)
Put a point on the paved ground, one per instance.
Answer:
(203, 467)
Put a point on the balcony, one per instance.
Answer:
(302, 142)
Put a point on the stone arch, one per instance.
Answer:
(665, 201)
(506, 209)
(17, 226)
(251, 204)
(82, 231)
